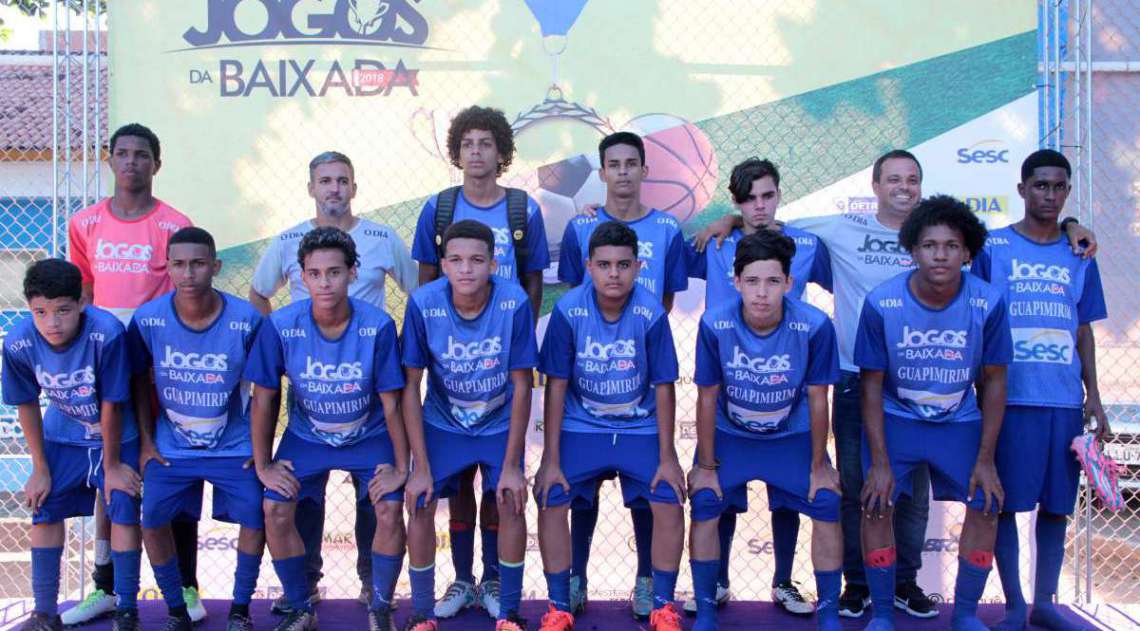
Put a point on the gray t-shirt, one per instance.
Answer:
(381, 253)
(864, 254)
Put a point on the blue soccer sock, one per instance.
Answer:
(785, 532)
(169, 580)
(291, 573)
(245, 577)
(1006, 555)
(1050, 555)
(127, 578)
(827, 611)
(489, 535)
(385, 572)
(510, 588)
(423, 590)
(968, 588)
(726, 528)
(704, 590)
(880, 567)
(664, 585)
(558, 589)
(583, 521)
(643, 539)
(463, 550)
(45, 579)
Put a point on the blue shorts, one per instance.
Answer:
(1034, 461)
(452, 453)
(784, 463)
(313, 461)
(76, 473)
(950, 450)
(175, 490)
(589, 457)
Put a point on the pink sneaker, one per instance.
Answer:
(1103, 472)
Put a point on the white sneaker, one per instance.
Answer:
(641, 600)
(194, 605)
(488, 598)
(97, 604)
(723, 595)
(459, 596)
(788, 596)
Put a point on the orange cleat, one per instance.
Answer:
(665, 619)
(556, 620)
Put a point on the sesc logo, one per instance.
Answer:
(984, 152)
(193, 361)
(107, 250)
(319, 371)
(604, 352)
(914, 338)
(775, 363)
(1020, 270)
(280, 22)
(1049, 346)
(81, 377)
(485, 348)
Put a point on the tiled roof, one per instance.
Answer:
(26, 108)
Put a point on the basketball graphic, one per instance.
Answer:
(682, 165)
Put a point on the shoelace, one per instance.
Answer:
(455, 590)
(791, 591)
(91, 599)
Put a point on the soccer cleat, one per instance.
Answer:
(1103, 472)
(787, 595)
(194, 605)
(281, 604)
(298, 621)
(854, 601)
(556, 620)
(125, 620)
(381, 620)
(41, 621)
(239, 622)
(420, 623)
(723, 595)
(578, 596)
(365, 596)
(910, 598)
(641, 600)
(511, 623)
(459, 596)
(665, 619)
(96, 605)
(177, 623)
(487, 597)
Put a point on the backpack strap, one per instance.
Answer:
(444, 213)
(516, 221)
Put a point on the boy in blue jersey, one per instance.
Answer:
(925, 338)
(473, 333)
(755, 188)
(86, 440)
(481, 143)
(342, 360)
(189, 347)
(1053, 296)
(765, 362)
(610, 406)
(662, 271)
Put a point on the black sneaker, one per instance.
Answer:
(239, 622)
(854, 601)
(910, 598)
(281, 606)
(298, 621)
(40, 621)
(178, 623)
(381, 620)
(126, 620)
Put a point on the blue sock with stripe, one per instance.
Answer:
(510, 588)
(385, 572)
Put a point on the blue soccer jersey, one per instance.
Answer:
(811, 264)
(612, 367)
(931, 358)
(334, 383)
(1050, 293)
(203, 404)
(763, 379)
(494, 217)
(660, 248)
(93, 368)
(469, 362)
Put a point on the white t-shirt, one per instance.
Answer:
(381, 253)
(864, 254)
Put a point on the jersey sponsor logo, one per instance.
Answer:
(459, 351)
(169, 226)
(96, 336)
(597, 351)
(917, 338)
(507, 305)
(20, 345)
(320, 371)
(759, 364)
(932, 404)
(984, 152)
(241, 326)
(502, 235)
(997, 241)
(433, 312)
(1022, 270)
(872, 245)
(806, 241)
(379, 234)
(367, 331)
(152, 322)
(723, 325)
(643, 311)
(980, 303)
(193, 361)
(857, 205)
(108, 250)
(289, 236)
(291, 333)
(891, 303)
(577, 312)
(802, 327)
(644, 249)
(1048, 346)
(83, 377)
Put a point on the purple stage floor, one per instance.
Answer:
(346, 615)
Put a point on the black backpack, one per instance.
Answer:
(516, 221)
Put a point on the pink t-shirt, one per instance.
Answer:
(125, 260)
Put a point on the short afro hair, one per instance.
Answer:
(613, 233)
(487, 119)
(764, 245)
(1044, 158)
(328, 238)
(51, 279)
(943, 210)
(139, 131)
